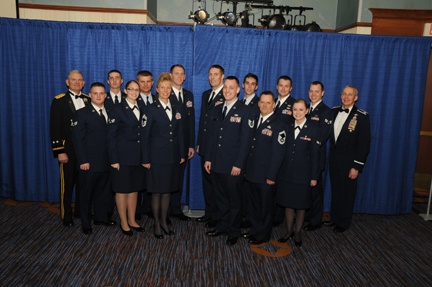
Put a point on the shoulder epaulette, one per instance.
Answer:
(59, 96)
(85, 95)
(362, 111)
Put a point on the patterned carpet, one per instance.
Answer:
(36, 250)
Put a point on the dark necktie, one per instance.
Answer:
(224, 112)
(311, 110)
(260, 122)
(180, 98)
(102, 115)
(277, 105)
(211, 97)
(244, 101)
(116, 101)
(343, 110)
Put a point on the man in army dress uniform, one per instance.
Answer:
(62, 109)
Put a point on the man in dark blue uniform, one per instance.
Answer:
(146, 98)
(321, 113)
(349, 147)
(62, 109)
(210, 99)
(184, 100)
(268, 145)
(89, 134)
(250, 85)
(114, 95)
(283, 112)
(225, 159)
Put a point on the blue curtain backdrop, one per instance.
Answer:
(390, 73)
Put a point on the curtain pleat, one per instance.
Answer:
(389, 72)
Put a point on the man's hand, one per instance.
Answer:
(63, 158)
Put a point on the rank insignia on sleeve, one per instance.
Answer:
(189, 104)
(281, 137)
(144, 121)
(178, 116)
(251, 123)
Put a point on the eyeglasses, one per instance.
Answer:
(131, 89)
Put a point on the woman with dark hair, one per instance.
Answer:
(163, 152)
(124, 143)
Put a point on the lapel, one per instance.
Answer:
(347, 121)
(95, 113)
(232, 111)
(128, 111)
(70, 102)
(162, 111)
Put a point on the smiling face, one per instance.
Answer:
(250, 86)
(75, 82)
(300, 111)
(230, 91)
(97, 96)
(349, 97)
(178, 76)
(283, 87)
(315, 93)
(215, 77)
(266, 104)
(145, 84)
(164, 90)
(132, 92)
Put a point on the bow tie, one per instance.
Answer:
(79, 96)
(134, 107)
(343, 110)
(297, 127)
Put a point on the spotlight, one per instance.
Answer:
(313, 27)
(228, 18)
(276, 21)
(200, 16)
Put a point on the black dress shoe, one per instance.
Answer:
(311, 227)
(169, 232)
(339, 229)
(254, 241)
(87, 231)
(277, 223)
(329, 223)
(246, 235)
(213, 233)
(204, 218)
(157, 236)
(210, 223)
(286, 238)
(231, 240)
(182, 217)
(68, 223)
(298, 243)
(105, 223)
(137, 229)
(126, 232)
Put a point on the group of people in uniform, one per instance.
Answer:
(262, 157)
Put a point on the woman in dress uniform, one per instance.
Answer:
(124, 143)
(163, 152)
(298, 171)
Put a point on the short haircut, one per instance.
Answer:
(75, 71)
(286, 78)
(270, 93)
(97, 84)
(144, 73)
(233, 78)
(250, 75)
(352, 87)
(218, 67)
(176, 66)
(114, 71)
(318, 83)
